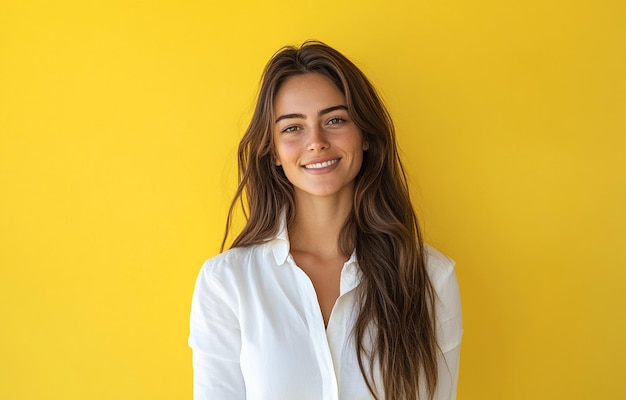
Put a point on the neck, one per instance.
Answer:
(317, 224)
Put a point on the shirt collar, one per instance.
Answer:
(279, 245)
(350, 275)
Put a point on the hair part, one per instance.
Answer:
(395, 324)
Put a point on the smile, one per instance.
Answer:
(322, 164)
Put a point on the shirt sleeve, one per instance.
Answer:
(449, 322)
(215, 340)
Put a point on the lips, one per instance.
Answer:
(322, 164)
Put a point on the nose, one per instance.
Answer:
(317, 140)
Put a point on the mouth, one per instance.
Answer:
(321, 165)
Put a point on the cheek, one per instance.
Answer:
(285, 151)
(354, 145)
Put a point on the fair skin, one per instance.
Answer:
(321, 151)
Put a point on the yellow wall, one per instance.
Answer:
(118, 127)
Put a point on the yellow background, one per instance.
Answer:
(119, 122)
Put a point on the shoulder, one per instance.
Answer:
(220, 273)
(231, 262)
(228, 259)
(440, 267)
(440, 270)
(218, 282)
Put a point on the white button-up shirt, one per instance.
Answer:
(257, 330)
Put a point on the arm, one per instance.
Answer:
(449, 323)
(448, 370)
(215, 340)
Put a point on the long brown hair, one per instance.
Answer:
(395, 325)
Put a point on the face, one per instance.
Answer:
(316, 142)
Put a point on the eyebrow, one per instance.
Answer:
(320, 113)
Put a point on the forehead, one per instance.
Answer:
(307, 91)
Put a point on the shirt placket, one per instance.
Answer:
(317, 330)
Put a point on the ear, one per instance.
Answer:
(366, 145)
(276, 160)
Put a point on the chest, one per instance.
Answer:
(325, 277)
(287, 352)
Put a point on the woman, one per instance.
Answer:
(328, 292)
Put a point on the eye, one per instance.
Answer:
(290, 129)
(336, 120)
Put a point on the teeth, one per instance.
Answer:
(321, 165)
